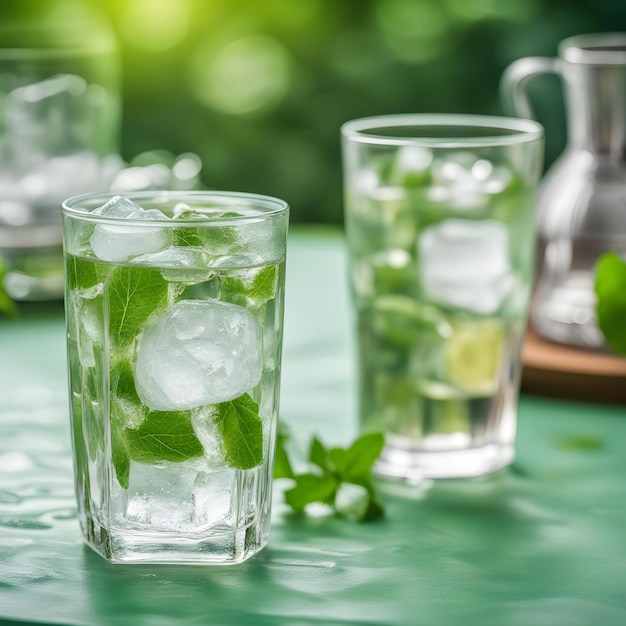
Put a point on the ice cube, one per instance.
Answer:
(160, 496)
(465, 263)
(198, 353)
(116, 243)
(459, 181)
(203, 424)
(213, 497)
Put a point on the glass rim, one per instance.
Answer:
(518, 130)
(594, 49)
(272, 207)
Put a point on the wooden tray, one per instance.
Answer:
(551, 369)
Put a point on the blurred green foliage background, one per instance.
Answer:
(260, 88)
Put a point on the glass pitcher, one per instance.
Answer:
(582, 201)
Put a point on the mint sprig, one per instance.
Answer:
(610, 288)
(342, 478)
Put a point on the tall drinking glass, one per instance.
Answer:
(439, 216)
(174, 309)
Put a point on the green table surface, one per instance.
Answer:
(542, 543)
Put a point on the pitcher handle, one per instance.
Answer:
(515, 78)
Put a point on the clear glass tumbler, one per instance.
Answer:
(439, 214)
(174, 310)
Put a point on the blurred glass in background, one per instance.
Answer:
(259, 90)
(59, 123)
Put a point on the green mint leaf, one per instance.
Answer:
(242, 431)
(610, 288)
(311, 488)
(282, 465)
(164, 436)
(319, 455)
(345, 482)
(81, 274)
(134, 294)
(123, 381)
(251, 286)
(263, 285)
(120, 452)
(203, 236)
(188, 236)
(361, 456)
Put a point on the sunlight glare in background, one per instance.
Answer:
(156, 25)
(245, 76)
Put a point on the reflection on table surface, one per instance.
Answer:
(539, 543)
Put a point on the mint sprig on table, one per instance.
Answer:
(341, 479)
(610, 288)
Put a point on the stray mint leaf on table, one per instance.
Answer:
(610, 288)
(345, 481)
(311, 488)
(282, 465)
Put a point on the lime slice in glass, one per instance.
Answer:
(474, 354)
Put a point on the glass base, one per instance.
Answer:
(416, 465)
(229, 546)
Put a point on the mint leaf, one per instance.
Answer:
(345, 481)
(263, 286)
(361, 456)
(123, 381)
(134, 294)
(163, 436)
(119, 452)
(319, 455)
(251, 286)
(282, 466)
(203, 236)
(81, 274)
(188, 236)
(311, 488)
(610, 288)
(242, 431)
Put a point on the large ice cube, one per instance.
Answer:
(465, 263)
(198, 353)
(116, 243)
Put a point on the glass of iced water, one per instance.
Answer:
(439, 216)
(174, 309)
